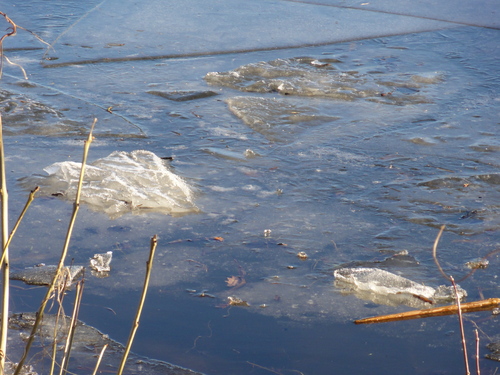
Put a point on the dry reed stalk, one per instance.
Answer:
(60, 313)
(99, 359)
(72, 328)
(31, 197)
(462, 331)
(135, 326)
(478, 369)
(50, 290)
(487, 304)
(5, 256)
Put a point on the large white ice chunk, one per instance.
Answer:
(386, 283)
(121, 182)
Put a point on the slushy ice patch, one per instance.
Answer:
(120, 183)
(306, 76)
(22, 115)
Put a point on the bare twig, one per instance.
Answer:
(5, 256)
(30, 199)
(135, 326)
(478, 369)
(14, 28)
(99, 359)
(461, 322)
(434, 253)
(71, 333)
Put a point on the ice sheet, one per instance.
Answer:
(197, 27)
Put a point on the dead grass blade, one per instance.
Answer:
(135, 326)
(5, 256)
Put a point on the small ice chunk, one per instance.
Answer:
(477, 263)
(386, 283)
(100, 262)
(447, 293)
(381, 281)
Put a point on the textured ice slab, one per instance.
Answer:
(386, 283)
(276, 118)
(43, 275)
(305, 76)
(120, 183)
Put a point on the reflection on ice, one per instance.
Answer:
(305, 76)
(119, 183)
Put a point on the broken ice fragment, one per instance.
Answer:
(386, 283)
(306, 76)
(100, 262)
(120, 183)
(43, 275)
(235, 301)
(477, 263)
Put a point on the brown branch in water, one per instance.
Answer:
(483, 305)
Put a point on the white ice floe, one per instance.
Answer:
(121, 182)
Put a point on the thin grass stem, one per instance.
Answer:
(60, 313)
(434, 253)
(5, 256)
(478, 368)
(461, 322)
(135, 326)
(31, 197)
(62, 258)
(71, 333)
(99, 359)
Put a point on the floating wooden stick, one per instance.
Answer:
(487, 304)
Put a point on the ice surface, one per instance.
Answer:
(306, 76)
(121, 182)
(199, 27)
(386, 283)
(87, 341)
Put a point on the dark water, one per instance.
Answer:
(349, 180)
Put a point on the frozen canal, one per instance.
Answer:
(344, 130)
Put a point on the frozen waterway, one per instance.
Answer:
(349, 182)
